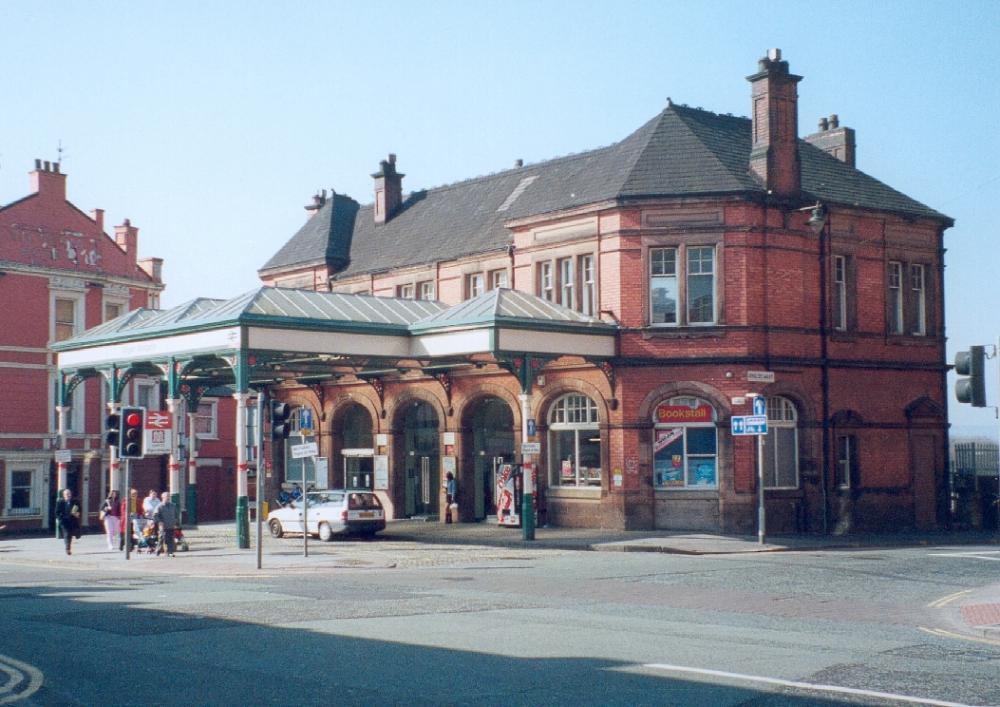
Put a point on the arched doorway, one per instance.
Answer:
(491, 433)
(422, 459)
(355, 468)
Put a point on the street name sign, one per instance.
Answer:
(760, 376)
(531, 447)
(309, 449)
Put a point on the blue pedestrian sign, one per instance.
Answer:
(749, 425)
(760, 405)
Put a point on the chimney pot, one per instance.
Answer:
(392, 158)
(48, 166)
(774, 54)
(38, 164)
(834, 121)
(55, 167)
(823, 125)
(518, 163)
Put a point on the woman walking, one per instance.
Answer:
(111, 511)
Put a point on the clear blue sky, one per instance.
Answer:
(210, 125)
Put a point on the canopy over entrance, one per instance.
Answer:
(271, 335)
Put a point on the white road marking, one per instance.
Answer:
(804, 685)
(972, 555)
(938, 603)
(960, 636)
(17, 673)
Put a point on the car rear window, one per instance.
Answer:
(360, 501)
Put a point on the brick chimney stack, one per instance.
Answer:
(834, 140)
(774, 155)
(388, 190)
(97, 215)
(47, 181)
(127, 238)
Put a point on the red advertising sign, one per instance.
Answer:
(683, 413)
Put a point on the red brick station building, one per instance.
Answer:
(618, 307)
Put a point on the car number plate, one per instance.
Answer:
(366, 514)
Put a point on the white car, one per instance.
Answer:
(330, 513)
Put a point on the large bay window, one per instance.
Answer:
(574, 442)
(682, 285)
(685, 447)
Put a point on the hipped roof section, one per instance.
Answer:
(682, 152)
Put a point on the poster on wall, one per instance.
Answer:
(506, 496)
(322, 472)
(381, 472)
(668, 457)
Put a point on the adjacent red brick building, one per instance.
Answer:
(60, 273)
(724, 249)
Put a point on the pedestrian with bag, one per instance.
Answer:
(110, 515)
(165, 517)
(68, 517)
(451, 498)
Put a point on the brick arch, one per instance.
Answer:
(847, 418)
(336, 408)
(474, 397)
(409, 395)
(563, 387)
(923, 408)
(690, 388)
(795, 393)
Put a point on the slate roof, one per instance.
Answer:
(508, 307)
(681, 152)
(264, 306)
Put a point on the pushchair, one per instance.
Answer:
(146, 537)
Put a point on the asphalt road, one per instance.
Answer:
(393, 623)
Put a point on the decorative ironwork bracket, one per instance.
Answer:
(444, 378)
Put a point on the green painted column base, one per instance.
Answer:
(191, 506)
(528, 517)
(242, 522)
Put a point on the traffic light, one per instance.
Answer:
(281, 425)
(132, 443)
(972, 389)
(113, 430)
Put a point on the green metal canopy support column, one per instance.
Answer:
(242, 490)
(527, 481)
(173, 408)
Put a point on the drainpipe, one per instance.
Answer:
(824, 243)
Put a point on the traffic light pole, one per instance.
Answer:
(259, 441)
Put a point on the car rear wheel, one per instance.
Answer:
(274, 525)
(325, 533)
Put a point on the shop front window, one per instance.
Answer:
(574, 442)
(685, 445)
